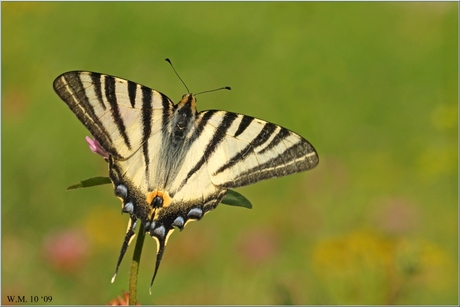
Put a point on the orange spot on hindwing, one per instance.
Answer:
(157, 200)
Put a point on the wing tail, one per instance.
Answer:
(128, 238)
(161, 248)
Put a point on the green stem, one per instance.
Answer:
(135, 266)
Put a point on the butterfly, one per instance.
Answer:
(170, 164)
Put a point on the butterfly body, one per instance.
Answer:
(170, 164)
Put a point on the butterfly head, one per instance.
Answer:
(188, 100)
(186, 108)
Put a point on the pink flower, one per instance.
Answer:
(121, 300)
(66, 250)
(95, 147)
(258, 245)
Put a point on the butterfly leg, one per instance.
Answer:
(128, 237)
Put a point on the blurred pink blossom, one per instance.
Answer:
(66, 250)
(95, 147)
(121, 300)
(397, 215)
(258, 245)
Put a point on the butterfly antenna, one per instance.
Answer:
(217, 89)
(169, 61)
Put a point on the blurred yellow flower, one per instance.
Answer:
(445, 117)
(105, 227)
(367, 267)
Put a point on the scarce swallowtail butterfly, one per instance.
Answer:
(170, 164)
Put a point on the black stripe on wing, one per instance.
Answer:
(282, 134)
(168, 108)
(72, 91)
(96, 79)
(132, 91)
(147, 125)
(203, 121)
(111, 95)
(305, 158)
(219, 135)
(245, 122)
(260, 139)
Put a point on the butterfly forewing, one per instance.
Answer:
(119, 113)
(170, 164)
(251, 150)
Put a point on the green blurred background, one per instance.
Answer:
(373, 86)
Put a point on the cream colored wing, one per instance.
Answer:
(120, 114)
(236, 150)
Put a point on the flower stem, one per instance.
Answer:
(135, 266)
